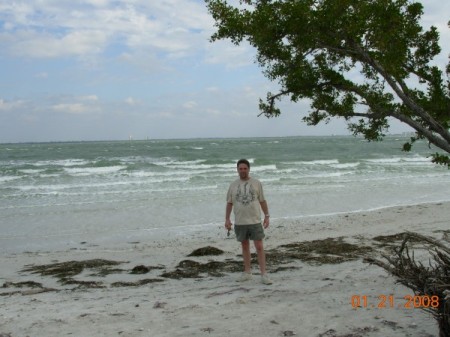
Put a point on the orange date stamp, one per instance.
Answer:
(389, 301)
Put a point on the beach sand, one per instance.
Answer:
(311, 294)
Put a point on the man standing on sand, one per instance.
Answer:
(246, 197)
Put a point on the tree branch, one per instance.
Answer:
(401, 90)
(272, 99)
(432, 137)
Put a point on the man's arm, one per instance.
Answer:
(265, 209)
(228, 209)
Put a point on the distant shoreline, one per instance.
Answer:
(402, 135)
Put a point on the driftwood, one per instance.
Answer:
(426, 281)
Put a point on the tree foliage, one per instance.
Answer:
(364, 61)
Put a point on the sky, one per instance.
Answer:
(111, 70)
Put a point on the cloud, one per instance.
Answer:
(80, 105)
(212, 89)
(98, 3)
(91, 98)
(433, 16)
(42, 75)
(223, 52)
(33, 44)
(71, 108)
(10, 105)
(190, 105)
(49, 29)
(131, 101)
(213, 112)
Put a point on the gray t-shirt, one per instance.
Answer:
(246, 195)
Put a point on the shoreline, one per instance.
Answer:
(182, 232)
(308, 297)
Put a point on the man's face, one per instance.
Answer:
(243, 171)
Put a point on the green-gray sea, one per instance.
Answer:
(54, 195)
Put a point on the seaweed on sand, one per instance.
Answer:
(326, 251)
(194, 269)
(33, 288)
(141, 269)
(136, 284)
(65, 270)
(24, 284)
(206, 251)
(393, 240)
(83, 284)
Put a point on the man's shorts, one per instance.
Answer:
(249, 232)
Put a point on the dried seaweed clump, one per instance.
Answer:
(194, 269)
(25, 284)
(392, 240)
(135, 284)
(205, 251)
(66, 270)
(141, 269)
(326, 251)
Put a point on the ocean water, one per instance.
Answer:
(57, 195)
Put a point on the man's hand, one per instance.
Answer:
(266, 222)
(228, 224)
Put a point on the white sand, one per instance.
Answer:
(311, 300)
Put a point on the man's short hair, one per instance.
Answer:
(243, 161)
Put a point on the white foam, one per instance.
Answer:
(8, 178)
(64, 163)
(319, 162)
(345, 166)
(31, 171)
(93, 170)
(401, 160)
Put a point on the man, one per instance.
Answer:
(246, 198)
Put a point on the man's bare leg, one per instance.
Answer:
(262, 261)
(246, 255)
(261, 255)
